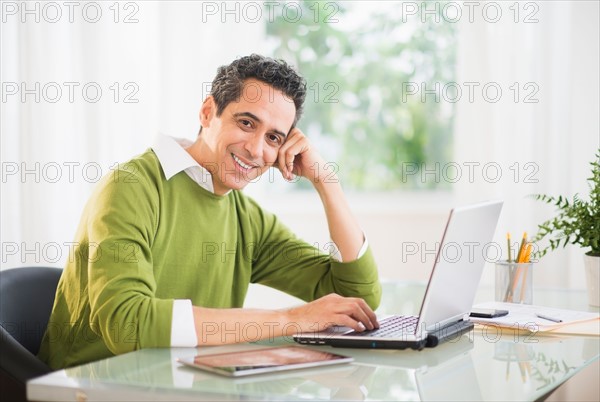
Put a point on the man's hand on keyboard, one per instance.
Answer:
(332, 310)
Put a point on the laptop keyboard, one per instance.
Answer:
(391, 327)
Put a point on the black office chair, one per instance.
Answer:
(26, 299)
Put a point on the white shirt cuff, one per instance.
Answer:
(183, 330)
(334, 252)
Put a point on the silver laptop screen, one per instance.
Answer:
(459, 264)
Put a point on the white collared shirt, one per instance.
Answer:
(173, 158)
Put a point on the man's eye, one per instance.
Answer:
(274, 138)
(246, 123)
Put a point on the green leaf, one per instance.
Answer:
(577, 221)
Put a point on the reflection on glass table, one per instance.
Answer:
(486, 364)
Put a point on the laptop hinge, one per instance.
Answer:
(449, 332)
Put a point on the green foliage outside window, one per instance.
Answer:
(361, 62)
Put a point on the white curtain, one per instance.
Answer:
(53, 151)
(152, 62)
(541, 147)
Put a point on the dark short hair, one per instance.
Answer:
(228, 84)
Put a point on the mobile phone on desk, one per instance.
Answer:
(487, 313)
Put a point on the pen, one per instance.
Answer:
(545, 317)
(527, 256)
(509, 251)
(521, 252)
(526, 261)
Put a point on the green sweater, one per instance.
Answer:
(144, 241)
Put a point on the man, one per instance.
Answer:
(168, 244)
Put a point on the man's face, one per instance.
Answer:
(245, 138)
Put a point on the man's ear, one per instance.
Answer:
(207, 111)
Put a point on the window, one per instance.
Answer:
(378, 84)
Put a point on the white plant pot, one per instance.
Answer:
(592, 275)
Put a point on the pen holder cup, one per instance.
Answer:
(514, 282)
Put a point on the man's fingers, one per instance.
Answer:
(352, 312)
(295, 144)
(347, 321)
(370, 313)
(360, 312)
(286, 160)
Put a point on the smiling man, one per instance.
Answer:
(168, 244)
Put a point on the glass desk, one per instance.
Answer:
(482, 365)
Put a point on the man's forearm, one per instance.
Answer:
(225, 326)
(344, 229)
(298, 157)
(235, 325)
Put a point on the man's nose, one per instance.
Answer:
(255, 146)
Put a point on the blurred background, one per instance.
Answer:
(419, 106)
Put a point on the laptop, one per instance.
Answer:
(449, 295)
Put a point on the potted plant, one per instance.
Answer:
(577, 222)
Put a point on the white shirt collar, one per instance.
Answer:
(174, 158)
